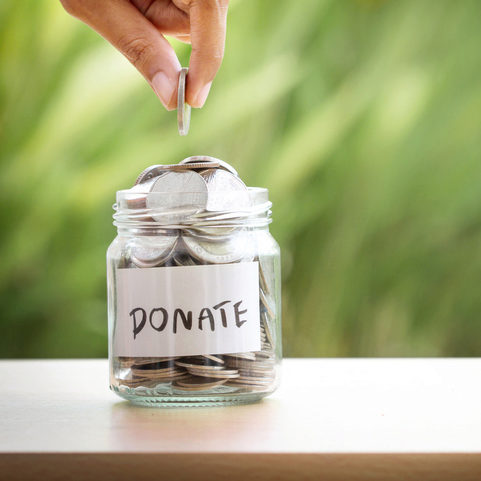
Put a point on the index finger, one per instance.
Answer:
(207, 34)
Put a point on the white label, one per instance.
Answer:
(187, 310)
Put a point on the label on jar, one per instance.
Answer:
(187, 310)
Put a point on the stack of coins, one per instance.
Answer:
(199, 188)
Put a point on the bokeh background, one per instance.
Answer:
(363, 118)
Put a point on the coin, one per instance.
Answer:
(226, 191)
(232, 250)
(256, 376)
(149, 173)
(182, 260)
(214, 234)
(137, 202)
(153, 253)
(212, 160)
(248, 382)
(139, 361)
(184, 193)
(214, 358)
(264, 355)
(267, 327)
(136, 198)
(242, 364)
(155, 170)
(266, 274)
(224, 373)
(196, 384)
(267, 304)
(183, 108)
(197, 365)
(243, 355)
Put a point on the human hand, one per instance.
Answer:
(137, 28)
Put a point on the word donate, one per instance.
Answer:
(187, 310)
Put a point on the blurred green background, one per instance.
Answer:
(363, 118)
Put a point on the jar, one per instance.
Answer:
(193, 290)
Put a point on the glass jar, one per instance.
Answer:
(193, 298)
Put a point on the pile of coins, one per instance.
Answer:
(205, 230)
(241, 372)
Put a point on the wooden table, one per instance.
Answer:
(332, 419)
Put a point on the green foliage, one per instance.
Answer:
(363, 118)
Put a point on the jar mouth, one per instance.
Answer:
(136, 208)
(255, 193)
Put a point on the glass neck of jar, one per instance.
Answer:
(160, 214)
(136, 231)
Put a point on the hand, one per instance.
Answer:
(137, 29)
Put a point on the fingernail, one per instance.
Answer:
(202, 95)
(164, 88)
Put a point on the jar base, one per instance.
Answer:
(208, 400)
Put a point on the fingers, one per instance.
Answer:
(207, 35)
(133, 35)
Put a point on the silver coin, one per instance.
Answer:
(139, 361)
(224, 374)
(198, 365)
(187, 194)
(156, 365)
(250, 382)
(136, 198)
(268, 330)
(198, 384)
(232, 250)
(257, 375)
(268, 305)
(213, 160)
(137, 383)
(266, 274)
(149, 173)
(265, 356)
(183, 108)
(213, 234)
(186, 261)
(181, 260)
(242, 364)
(155, 170)
(156, 373)
(217, 359)
(152, 253)
(226, 191)
(250, 356)
(137, 202)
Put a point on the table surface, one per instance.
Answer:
(324, 406)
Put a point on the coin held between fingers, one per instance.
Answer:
(183, 108)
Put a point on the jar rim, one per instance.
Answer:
(133, 191)
(177, 210)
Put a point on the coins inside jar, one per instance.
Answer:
(208, 193)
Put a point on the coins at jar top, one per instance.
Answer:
(185, 189)
(194, 159)
(183, 108)
(155, 170)
(226, 191)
